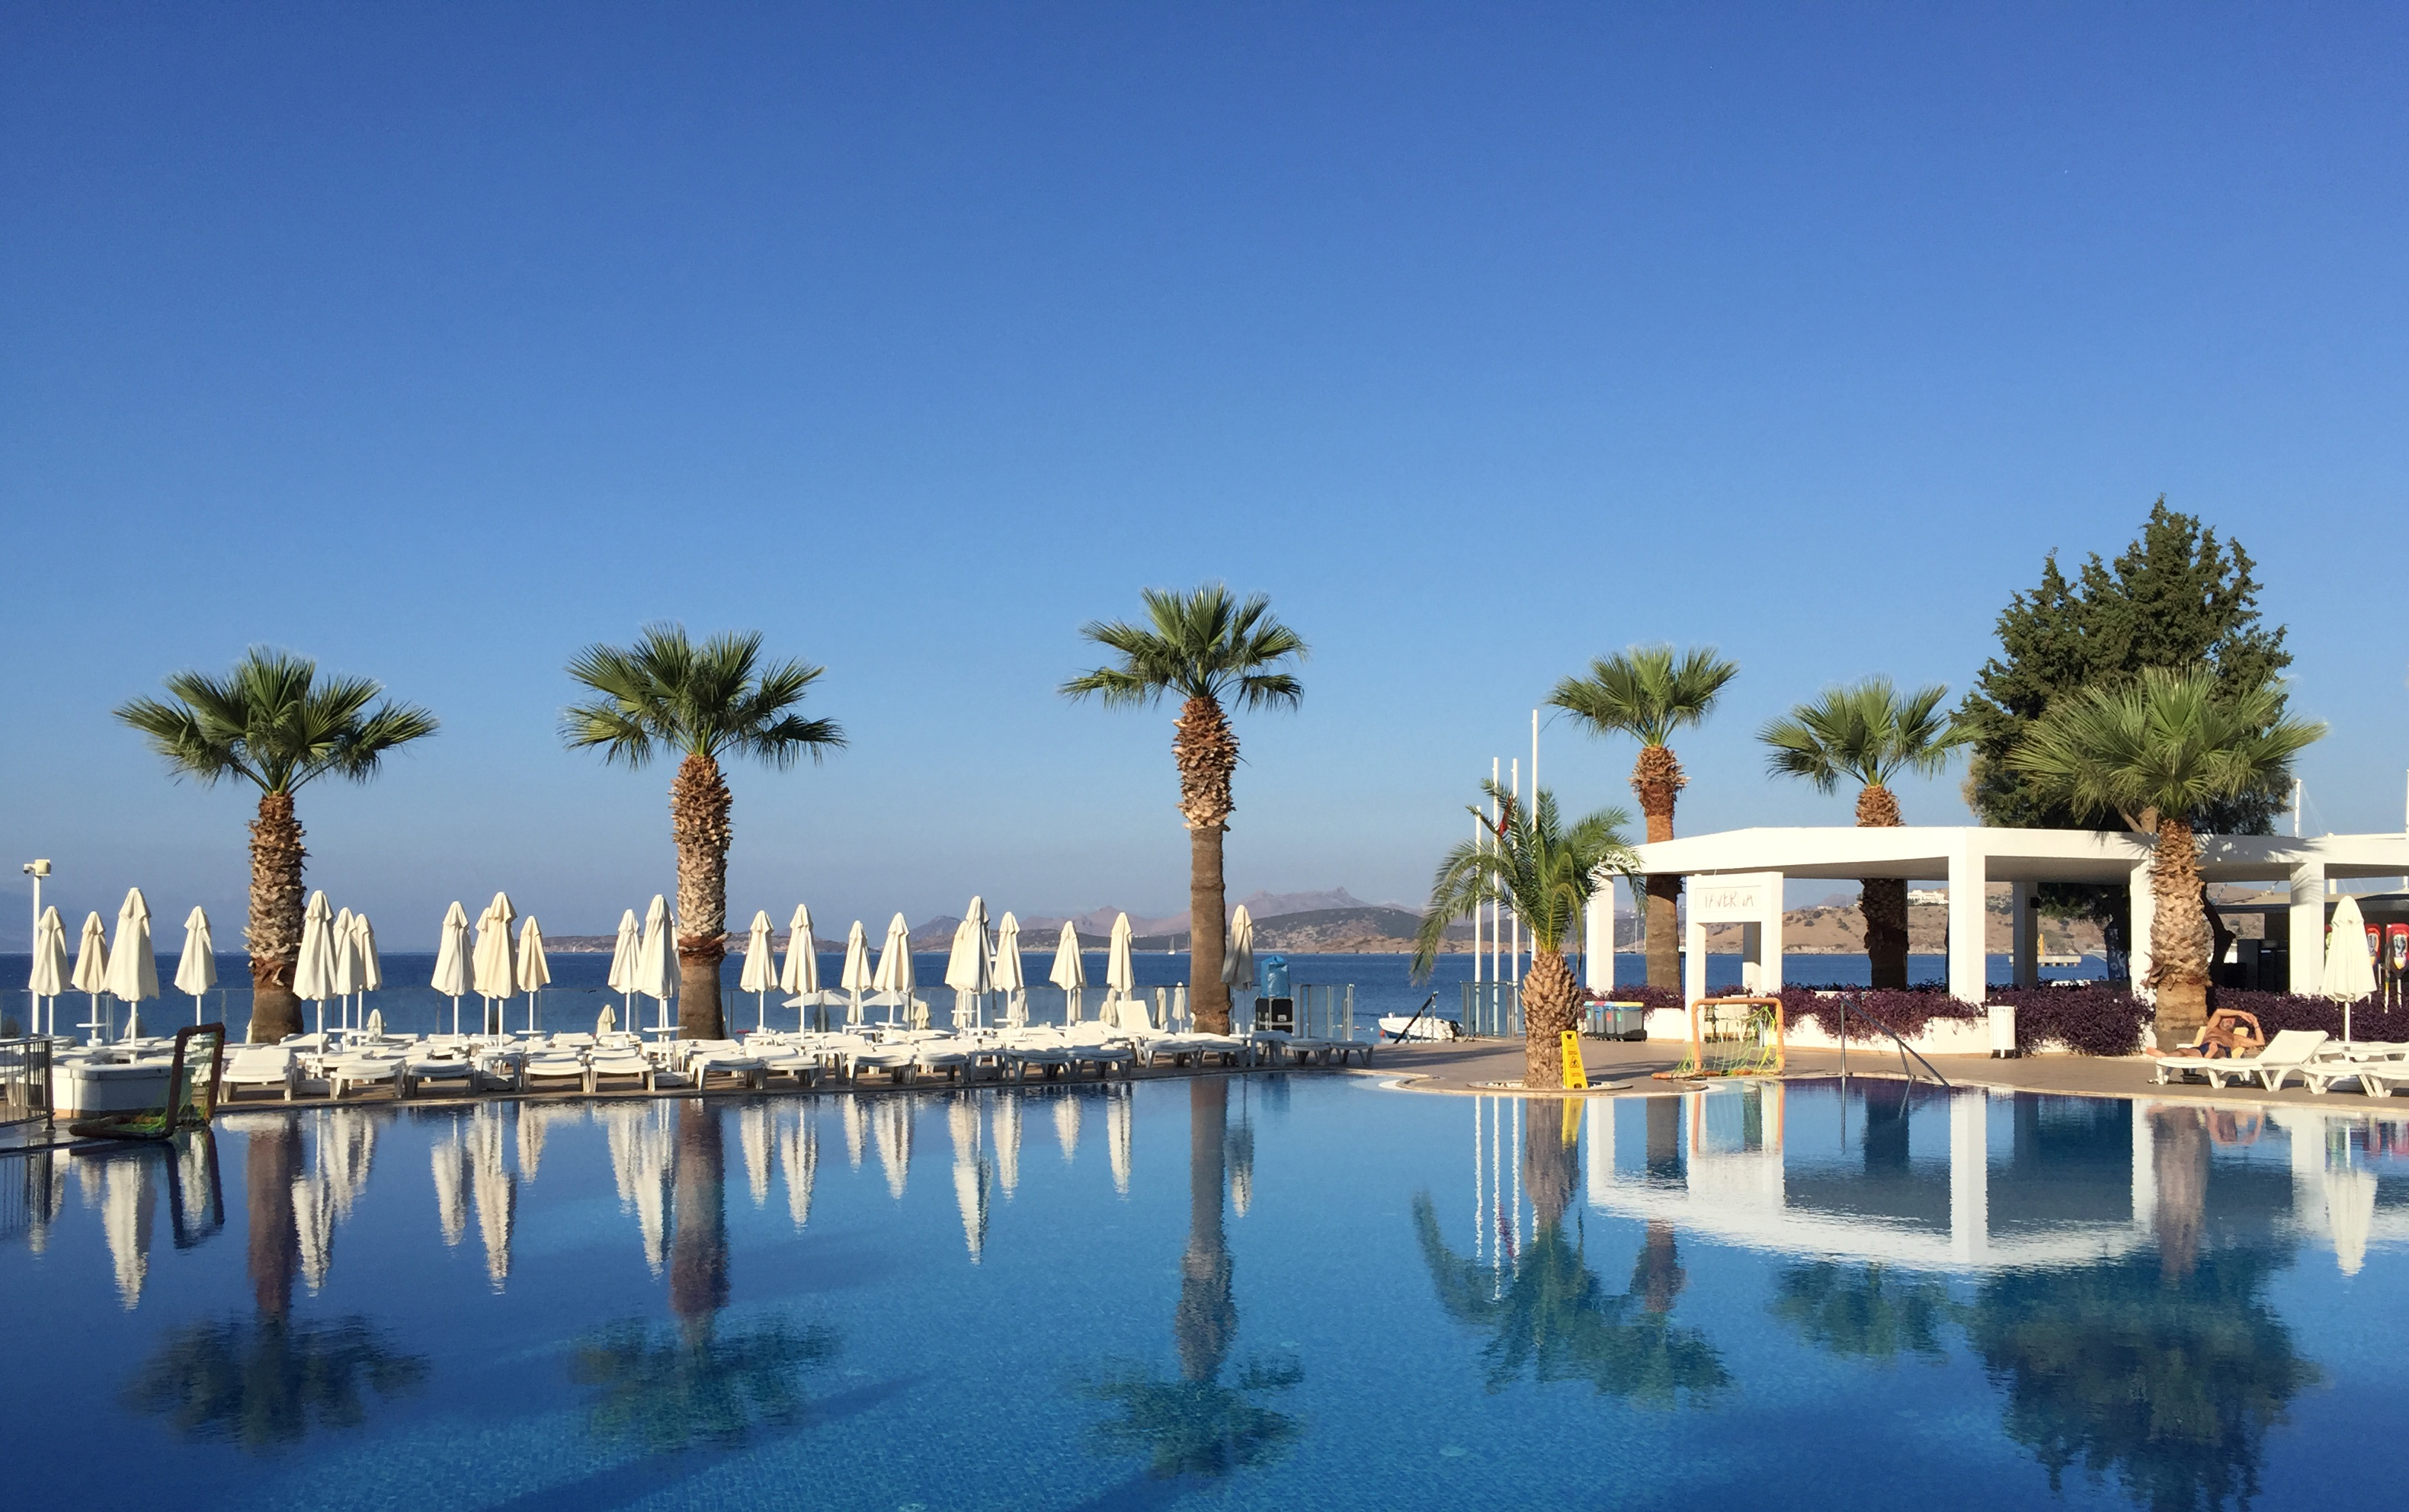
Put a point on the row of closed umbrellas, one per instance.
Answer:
(339, 959)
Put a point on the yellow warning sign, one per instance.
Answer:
(1576, 1074)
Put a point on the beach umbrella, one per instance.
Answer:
(313, 972)
(803, 968)
(197, 969)
(857, 978)
(1006, 975)
(894, 972)
(345, 978)
(92, 966)
(535, 972)
(621, 978)
(451, 976)
(657, 963)
(1238, 951)
(493, 972)
(760, 972)
(607, 1021)
(364, 962)
(967, 970)
(132, 968)
(1121, 970)
(49, 977)
(971, 1174)
(2349, 974)
(1070, 972)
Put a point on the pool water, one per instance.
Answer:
(1273, 1290)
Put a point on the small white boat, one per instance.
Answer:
(1412, 1027)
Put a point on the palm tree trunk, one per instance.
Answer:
(1206, 1320)
(699, 821)
(1550, 1001)
(1656, 777)
(1205, 750)
(2178, 934)
(1881, 902)
(273, 935)
(699, 1245)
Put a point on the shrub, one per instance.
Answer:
(2095, 1021)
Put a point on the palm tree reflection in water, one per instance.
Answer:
(2166, 1370)
(1198, 1427)
(264, 1382)
(696, 1384)
(1552, 1318)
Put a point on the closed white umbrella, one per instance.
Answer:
(1007, 973)
(803, 968)
(346, 979)
(494, 971)
(1121, 970)
(761, 971)
(92, 969)
(313, 973)
(2350, 971)
(451, 975)
(535, 972)
(857, 977)
(371, 969)
(1070, 972)
(657, 964)
(967, 970)
(49, 977)
(197, 969)
(132, 968)
(1238, 951)
(894, 972)
(624, 951)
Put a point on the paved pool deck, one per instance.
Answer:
(1476, 1066)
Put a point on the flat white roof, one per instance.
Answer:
(1924, 852)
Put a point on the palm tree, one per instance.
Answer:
(1213, 650)
(665, 693)
(1545, 874)
(274, 722)
(1648, 692)
(2156, 751)
(1866, 733)
(1553, 1318)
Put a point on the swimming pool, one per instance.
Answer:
(1274, 1290)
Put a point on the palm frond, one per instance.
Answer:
(1645, 691)
(274, 722)
(1201, 644)
(667, 694)
(1865, 732)
(1532, 863)
(2165, 743)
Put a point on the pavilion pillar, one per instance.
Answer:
(1768, 935)
(1597, 928)
(1969, 965)
(2025, 934)
(2307, 945)
(2137, 949)
(1693, 957)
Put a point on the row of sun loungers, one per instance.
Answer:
(409, 1066)
(2322, 1063)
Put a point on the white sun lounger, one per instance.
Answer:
(252, 1066)
(538, 1072)
(616, 1065)
(2370, 1063)
(416, 1073)
(363, 1071)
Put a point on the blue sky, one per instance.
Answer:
(438, 342)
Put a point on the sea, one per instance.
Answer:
(1382, 983)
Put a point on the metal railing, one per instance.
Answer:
(1905, 1050)
(24, 1080)
(1325, 1010)
(1493, 1010)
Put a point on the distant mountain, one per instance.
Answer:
(1369, 929)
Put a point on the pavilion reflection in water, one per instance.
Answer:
(1979, 1180)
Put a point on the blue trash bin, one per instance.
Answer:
(1275, 976)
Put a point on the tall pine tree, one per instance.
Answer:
(2176, 596)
